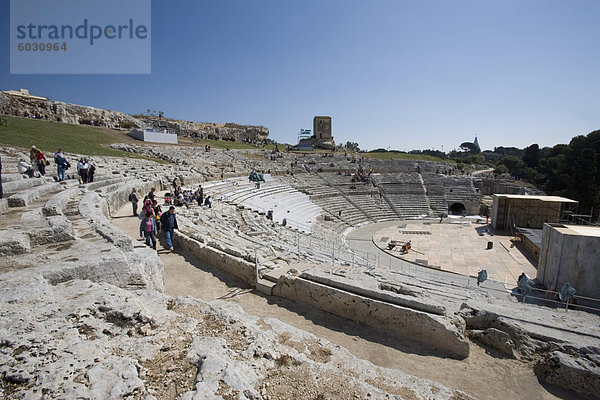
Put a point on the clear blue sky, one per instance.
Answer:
(403, 74)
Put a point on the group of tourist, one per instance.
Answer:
(38, 164)
(85, 170)
(38, 160)
(185, 197)
(153, 219)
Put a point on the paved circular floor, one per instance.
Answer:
(455, 249)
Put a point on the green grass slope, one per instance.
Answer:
(49, 136)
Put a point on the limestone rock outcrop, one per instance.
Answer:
(207, 130)
(80, 339)
(59, 111)
(68, 113)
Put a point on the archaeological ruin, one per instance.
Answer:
(312, 257)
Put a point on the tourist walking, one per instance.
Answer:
(169, 223)
(147, 207)
(157, 212)
(32, 159)
(148, 230)
(61, 165)
(152, 195)
(41, 162)
(134, 201)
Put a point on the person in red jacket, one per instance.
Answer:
(40, 160)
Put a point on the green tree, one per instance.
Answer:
(531, 155)
(352, 146)
(501, 169)
(470, 148)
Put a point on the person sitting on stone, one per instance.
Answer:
(25, 168)
(207, 202)
(181, 201)
(168, 199)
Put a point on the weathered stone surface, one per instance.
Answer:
(412, 299)
(579, 372)
(216, 257)
(84, 115)
(85, 340)
(441, 334)
(3, 205)
(59, 229)
(25, 198)
(207, 130)
(19, 185)
(65, 112)
(495, 338)
(11, 177)
(13, 242)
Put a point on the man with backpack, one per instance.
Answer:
(168, 223)
(134, 201)
(61, 165)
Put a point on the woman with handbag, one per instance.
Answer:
(41, 162)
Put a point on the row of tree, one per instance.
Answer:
(569, 170)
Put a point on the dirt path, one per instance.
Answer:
(484, 374)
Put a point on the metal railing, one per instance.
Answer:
(308, 247)
(551, 297)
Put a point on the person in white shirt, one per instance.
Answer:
(82, 170)
(25, 168)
